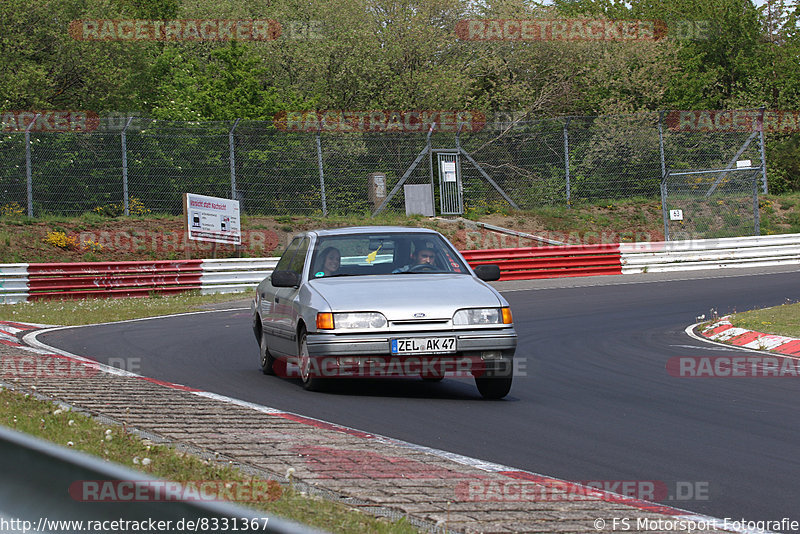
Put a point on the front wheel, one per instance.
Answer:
(496, 383)
(267, 359)
(493, 388)
(310, 382)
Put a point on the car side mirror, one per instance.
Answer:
(285, 279)
(487, 273)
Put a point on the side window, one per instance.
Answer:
(287, 257)
(299, 259)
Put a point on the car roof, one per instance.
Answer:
(351, 230)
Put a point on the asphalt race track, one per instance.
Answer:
(597, 403)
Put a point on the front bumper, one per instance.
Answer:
(478, 353)
(467, 341)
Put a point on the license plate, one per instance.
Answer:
(424, 345)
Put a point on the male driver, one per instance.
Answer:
(423, 259)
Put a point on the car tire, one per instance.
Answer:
(267, 359)
(493, 388)
(310, 383)
(496, 383)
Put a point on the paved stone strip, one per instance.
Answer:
(451, 492)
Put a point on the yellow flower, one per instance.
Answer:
(61, 240)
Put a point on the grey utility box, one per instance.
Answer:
(419, 199)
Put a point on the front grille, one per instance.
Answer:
(420, 322)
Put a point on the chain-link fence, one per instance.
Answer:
(711, 203)
(145, 163)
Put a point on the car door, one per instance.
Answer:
(285, 306)
(269, 315)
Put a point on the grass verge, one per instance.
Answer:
(782, 320)
(91, 311)
(49, 421)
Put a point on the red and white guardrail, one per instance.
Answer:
(721, 253)
(549, 261)
(20, 282)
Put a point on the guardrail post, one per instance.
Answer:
(233, 160)
(28, 170)
(125, 167)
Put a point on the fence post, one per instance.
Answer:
(430, 170)
(233, 159)
(756, 214)
(664, 206)
(28, 170)
(566, 161)
(125, 167)
(763, 156)
(661, 142)
(321, 176)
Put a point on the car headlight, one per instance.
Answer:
(482, 316)
(361, 320)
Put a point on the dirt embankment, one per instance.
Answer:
(95, 238)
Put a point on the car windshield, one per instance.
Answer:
(383, 253)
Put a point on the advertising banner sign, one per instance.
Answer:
(212, 219)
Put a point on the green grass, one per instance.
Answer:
(782, 320)
(48, 421)
(91, 311)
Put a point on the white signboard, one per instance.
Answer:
(213, 219)
(449, 170)
(675, 215)
(744, 163)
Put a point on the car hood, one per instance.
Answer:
(401, 296)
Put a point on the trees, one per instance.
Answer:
(230, 83)
(48, 69)
(405, 55)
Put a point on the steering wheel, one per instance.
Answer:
(422, 267)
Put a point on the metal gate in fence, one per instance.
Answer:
(451, 192)
(716, 202)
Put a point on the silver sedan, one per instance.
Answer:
(382, 302)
